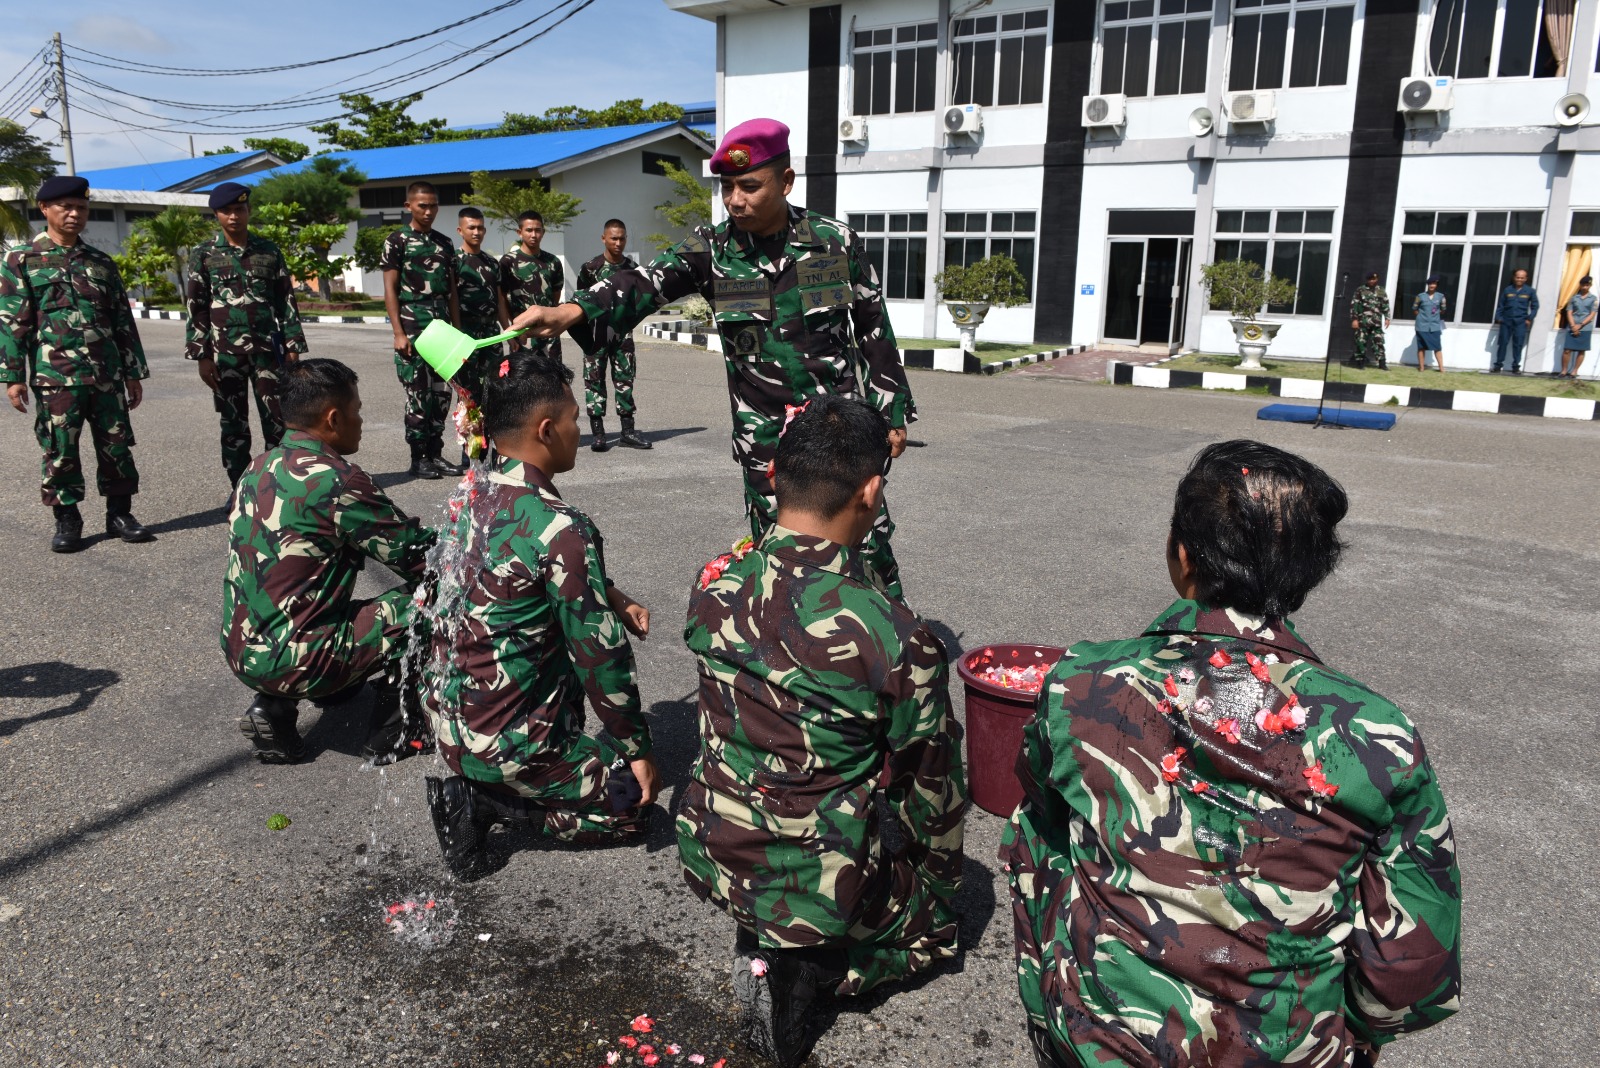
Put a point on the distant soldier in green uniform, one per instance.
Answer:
(244, 326)
(1369, 318)
(820, 698)
(419, 286)
(1228, 853)
(65, 326)
(618, 354)
(532, 278)
(304, 521)
(798, 308)
(528, 625)
(483, 308)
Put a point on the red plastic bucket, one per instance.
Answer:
(995, 718)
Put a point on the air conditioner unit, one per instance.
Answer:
(963, 119)
(1426, 94)
(1109, 109)
(853, 128)
(1251, 106)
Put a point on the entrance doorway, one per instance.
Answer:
(1147, 284)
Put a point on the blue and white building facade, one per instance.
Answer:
(1112, 147)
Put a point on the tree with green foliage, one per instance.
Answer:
(571, 117)
(369, 244)
(282, 147)
(503, 200)
(24, 163)
(318, 197)
(175, 231)
(382, 124)
(1243, 288)
(144, 266)
(690, 205)
(995, 281)
(306, 246)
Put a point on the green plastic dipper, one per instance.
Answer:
(445, 348)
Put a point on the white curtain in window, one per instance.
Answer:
(1558, 30)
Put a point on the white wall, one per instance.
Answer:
(767, 68)
(990, 189)
(1125, 185)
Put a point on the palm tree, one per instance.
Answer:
(175, 231)
(24, 163)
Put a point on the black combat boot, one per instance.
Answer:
(120, 522)
(460, 827)
(69, 529)
(775, 990)
(443, 466)
(597, 425)
(269, 723)
(422, 465)
(396, 729)
(630, 436)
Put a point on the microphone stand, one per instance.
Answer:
(1338, 302)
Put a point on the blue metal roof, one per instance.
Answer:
(171, 174)
(481, 154)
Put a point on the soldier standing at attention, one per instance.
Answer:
(1229, 854)
(619, 353)
(304, 518)
(419, 286)
(478, 293)
(531, 277)
(65, 325)
(538, 627)
(243, 327)
(1369, 318)
(798, 307)
(819, 698)
(1518, 308)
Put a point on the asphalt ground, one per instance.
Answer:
(148, 916)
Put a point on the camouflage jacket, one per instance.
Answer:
(816, 694)
(478, 288)
(1370, 306)
(1229, 855)
(64, 317)
(528, 280)
(807, 321)
(238, 299)
(304, 518)
(533, 631)
(427, 266)
(599, 269)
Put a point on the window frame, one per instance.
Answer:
(1154, 21)
(860, 222)
(1272, 236)
(999, 35)
(989, 235)
(1496, 45)
(1468, 240)
(893, 49)
(1293, 9)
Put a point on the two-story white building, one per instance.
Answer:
(1114, 147)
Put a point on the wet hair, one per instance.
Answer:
(1258, 523)
(310, 387)
(420, 187)
(828, 452)
(531, 384)
(617, 223)
(470, 213)
(529, 216)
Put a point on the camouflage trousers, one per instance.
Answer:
(235, 377)
(903, 927)
(1369, 345)
(317, 661)
(59, 416)
(544, 346)
(427, 400)
(483, 363)
(562, 785)
(621, 359)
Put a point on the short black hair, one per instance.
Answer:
(618, 223)
(1259, 524)
(530, 383)
(828, 452)
(420, 187)
(470, 213)
(529, 216)
(310, 387)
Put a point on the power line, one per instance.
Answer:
(20, 100)
(25, 65)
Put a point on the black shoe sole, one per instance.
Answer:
(756, 1016)
(635, 445)
(132, 539)
(424, 472)
(270, 746)
(459, 832)
(75, 546)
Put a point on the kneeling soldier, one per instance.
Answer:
(528, 624)
(819, 697)
(303, 519)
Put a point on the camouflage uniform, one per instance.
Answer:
(799, 316)
(619, 353)
(524, 633)
(478, 296)
(527, 280)
(1229, 855)
(818, 696)
(65, 324)
(1368, 309)
(427, 266)
(303, 519)
(241, 309)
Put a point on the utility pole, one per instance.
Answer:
(66, 118)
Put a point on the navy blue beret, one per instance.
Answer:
(63, 185)
(229, 193)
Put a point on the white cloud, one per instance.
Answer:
(114, 31)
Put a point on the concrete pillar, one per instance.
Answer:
(1205, 176)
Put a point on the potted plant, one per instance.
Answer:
(969, 292)
(1243, 289)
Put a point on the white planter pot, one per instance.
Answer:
(1253, 336)
(967, 316)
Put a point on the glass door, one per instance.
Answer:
(1124, 282)
(1160, 274)
(1180, 296)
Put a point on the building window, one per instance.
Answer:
(1586, 224)
(894, 69)
(1171, 37)
(999, 59)
(1472, 252)
(653, 162)
(1296, 245)
(394, 196)
(1532, 34)
(971, 236)
(897, 245)
(1313, 36)
(132, 215)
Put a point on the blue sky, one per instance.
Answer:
(614, 49)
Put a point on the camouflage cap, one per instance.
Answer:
(749, 145)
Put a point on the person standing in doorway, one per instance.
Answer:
(1369, 318)
(1429, 308)
(1581, 307)
(1518, 307)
